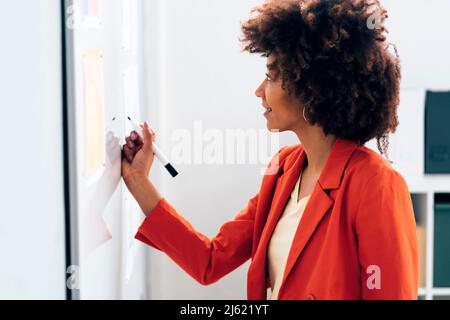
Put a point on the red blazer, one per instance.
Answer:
(356, 238)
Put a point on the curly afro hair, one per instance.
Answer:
(333, 56)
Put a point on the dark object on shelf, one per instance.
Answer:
(442, 240)
(437, 132)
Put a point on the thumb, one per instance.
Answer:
(147, 138)
(125, 167)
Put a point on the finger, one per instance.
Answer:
(136, 138)
(136, 149)
(129, 142)
(152, 132)
(125, 167)
(153, 135)
(125, 154)
(147, 138)
(133, 151)
(128, 152)
(128, 155)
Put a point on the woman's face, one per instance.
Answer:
(282, 111)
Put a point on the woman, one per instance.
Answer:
(332, 219)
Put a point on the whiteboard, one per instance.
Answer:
(104, 87)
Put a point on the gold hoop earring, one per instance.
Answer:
(304, 117)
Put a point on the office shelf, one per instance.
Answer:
(419, 201)
(447, 297)
(441, 240)
(424, 203)
(441, 291)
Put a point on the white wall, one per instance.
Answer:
(420, 29)
(31, 187)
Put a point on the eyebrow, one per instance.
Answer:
(271, 66)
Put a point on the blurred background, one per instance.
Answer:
(71, 73)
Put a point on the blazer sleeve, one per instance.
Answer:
(387, 240)
(206, 260)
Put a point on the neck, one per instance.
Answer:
(317, 146)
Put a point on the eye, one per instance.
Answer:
(268, 78)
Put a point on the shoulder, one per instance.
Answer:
(375, 192)
(372, 170)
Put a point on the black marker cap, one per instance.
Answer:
(171, 170)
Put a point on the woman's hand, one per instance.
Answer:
(137, 156)
(137, 159)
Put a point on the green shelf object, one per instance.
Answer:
(442, 244)
(437, 132)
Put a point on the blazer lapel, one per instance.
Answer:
(284, 189)
(284, 185)
(319, 203)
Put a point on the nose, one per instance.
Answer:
(260, 90)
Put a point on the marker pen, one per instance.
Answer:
(161, 157)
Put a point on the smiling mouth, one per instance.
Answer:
(268, 110)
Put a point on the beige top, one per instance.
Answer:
(282, 237)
